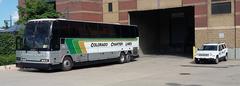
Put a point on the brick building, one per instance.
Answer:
(165, 25)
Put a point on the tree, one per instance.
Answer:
(36, 9)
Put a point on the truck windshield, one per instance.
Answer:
(36, 35)
(210, 47)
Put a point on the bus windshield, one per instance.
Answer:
(36, 35)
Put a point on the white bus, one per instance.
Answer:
(62, 44)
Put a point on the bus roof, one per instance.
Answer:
(45, 20)
(61, 19)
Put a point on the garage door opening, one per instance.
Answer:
(165, 31)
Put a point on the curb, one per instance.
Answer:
(8, 67)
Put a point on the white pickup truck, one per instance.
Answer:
(212, 51)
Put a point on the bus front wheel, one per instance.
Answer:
(67, 64)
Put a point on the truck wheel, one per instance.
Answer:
(128, 57)
(122, 58)
(216, 60)
(67, 64)
(225, 57)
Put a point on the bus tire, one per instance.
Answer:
(128, 57)
(122, 58)
(67, 64)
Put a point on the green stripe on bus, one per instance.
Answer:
(77, 47)
(74, 47)
(70, 46)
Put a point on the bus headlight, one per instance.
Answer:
(44, 60)
(18, 58)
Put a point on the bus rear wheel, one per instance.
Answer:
(128, 57)
(67, 64)
(122, 58)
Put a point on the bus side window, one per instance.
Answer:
(63, 27)
(92, 29)
(55, 36)
(106, 31)
(81, 31)
(117, 30)
(125, 32)
(136, 32)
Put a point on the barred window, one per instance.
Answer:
(110, 7)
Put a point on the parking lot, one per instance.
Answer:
(161, 70)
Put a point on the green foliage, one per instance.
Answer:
(7, 42)
(36, 9)
(7, 59)
(7, 48)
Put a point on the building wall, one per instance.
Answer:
(124, 7)
(111, 17)
(208, 27)
(87, 10)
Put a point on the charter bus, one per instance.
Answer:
(62, 44)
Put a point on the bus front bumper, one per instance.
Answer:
(39, 66)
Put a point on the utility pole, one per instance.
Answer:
(10, 20)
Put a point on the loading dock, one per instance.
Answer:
(165, 31)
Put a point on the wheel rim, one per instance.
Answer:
(217, 60)
(67, 64)
(122, 58)
(128, 57)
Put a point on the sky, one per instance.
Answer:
(8, 8)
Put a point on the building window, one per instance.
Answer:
(221, 8)
(110, 7)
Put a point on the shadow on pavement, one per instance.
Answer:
(97, 65)
(177, 84)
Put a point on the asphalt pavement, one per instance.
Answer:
(159, 70)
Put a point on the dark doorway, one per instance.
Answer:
(165, 31)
